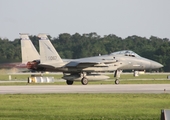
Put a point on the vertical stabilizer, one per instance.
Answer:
(48, 54)
(28, 51)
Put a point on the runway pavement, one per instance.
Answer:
(122, 88)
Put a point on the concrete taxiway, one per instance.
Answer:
(122, 88)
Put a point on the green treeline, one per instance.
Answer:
(86, 45)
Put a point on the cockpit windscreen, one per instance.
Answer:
(126, 53)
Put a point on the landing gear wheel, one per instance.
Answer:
(69, 82)
(117, 81)
(84, 81)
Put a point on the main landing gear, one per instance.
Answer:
(84, 81)
(117, 76)
(69, 82)
(117, 81)
(76, 76)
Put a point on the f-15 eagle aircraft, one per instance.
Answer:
(83, 68)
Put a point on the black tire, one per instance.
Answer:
(84, 81)
(69, 82)
(117, 82)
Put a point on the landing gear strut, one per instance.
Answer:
(84, 80)
(117, 75)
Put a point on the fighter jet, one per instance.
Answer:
(83, 69)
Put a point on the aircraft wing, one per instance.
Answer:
(89, 63)
(81, 63)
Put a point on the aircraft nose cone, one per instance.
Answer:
(156, 65)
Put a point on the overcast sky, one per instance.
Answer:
(123, 18)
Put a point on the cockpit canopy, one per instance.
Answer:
(126, 53)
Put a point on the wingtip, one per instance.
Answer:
(24, 33)
(42, 35)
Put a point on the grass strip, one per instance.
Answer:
(83, 106)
